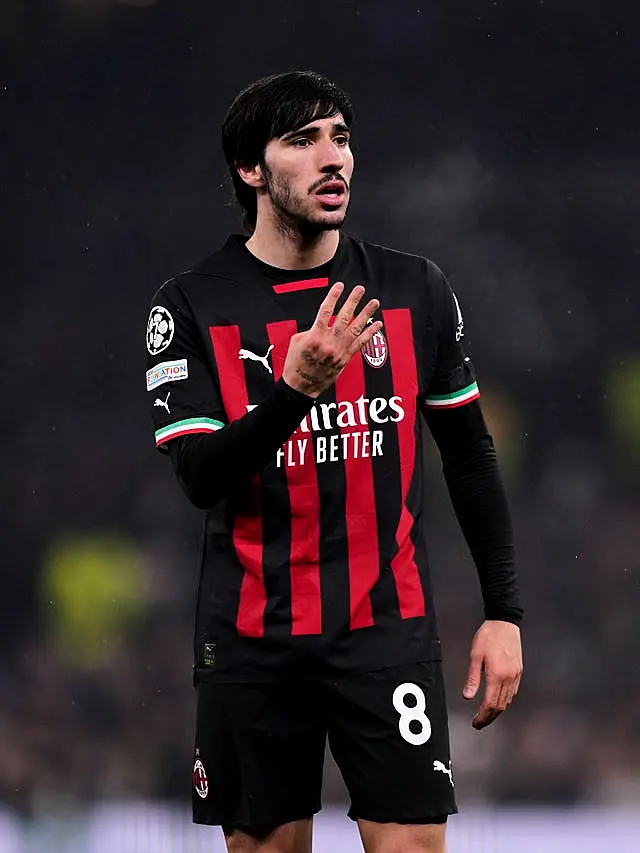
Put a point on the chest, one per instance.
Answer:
(248, 333)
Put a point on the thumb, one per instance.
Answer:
(473, 678)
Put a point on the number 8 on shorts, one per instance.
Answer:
(412, 713)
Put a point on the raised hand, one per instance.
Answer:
(316, 357)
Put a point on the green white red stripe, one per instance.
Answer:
(457, 398)
(186, 427)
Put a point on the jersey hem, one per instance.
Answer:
(245, 670)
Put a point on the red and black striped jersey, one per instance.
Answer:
(318, 563)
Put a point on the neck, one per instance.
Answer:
(290, 250)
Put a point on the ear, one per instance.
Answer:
(251, 175)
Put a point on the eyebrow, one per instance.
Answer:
(314, 130)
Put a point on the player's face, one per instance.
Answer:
(308, 174)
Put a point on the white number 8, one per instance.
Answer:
(410, 714)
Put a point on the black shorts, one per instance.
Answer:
(259, 748)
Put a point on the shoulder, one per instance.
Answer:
(221, 269)
(227, 262)
(394, 259)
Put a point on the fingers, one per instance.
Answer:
(345, 315)
(361, 340)
(490, 708)
(485, 717)
(512, 689)
(359, 326)
(325, 311)
(499, 695)
(361, 332)
(472, 684)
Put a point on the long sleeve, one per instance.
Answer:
(209, 466)
(478, 496)
(211, 455)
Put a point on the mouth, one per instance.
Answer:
(332, 193)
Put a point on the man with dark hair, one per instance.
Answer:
(294, 415)
(267, 110)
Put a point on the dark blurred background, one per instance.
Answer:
(501, 140)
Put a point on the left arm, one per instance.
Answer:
(478, 497)
(453, 414)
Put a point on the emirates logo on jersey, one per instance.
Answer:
(200, 781)
(376, 351)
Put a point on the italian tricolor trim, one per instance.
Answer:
(450, 401)
(186, 427)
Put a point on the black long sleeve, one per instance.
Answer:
(478, 496)
(209, 466)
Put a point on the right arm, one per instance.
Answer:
(208, 466)
(210, 456)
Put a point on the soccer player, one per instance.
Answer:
(291, 376)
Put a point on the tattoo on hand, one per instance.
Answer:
(312, 380)
(329, 364)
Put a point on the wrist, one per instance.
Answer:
(296, 393)
(301, 384)
(504, 620)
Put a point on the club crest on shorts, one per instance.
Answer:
(200, 781)
(160, 329)
(376, 350)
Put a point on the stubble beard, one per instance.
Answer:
(291, 217)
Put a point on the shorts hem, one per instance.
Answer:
(257, 826)
(422, 820)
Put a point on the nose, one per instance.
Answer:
(331, 157)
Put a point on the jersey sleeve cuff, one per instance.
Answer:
(188, 426)
(303, 401)
(455, 398)
(513, 615)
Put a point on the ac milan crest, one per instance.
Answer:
(200, 781)
(376, 350)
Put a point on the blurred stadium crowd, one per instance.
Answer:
(495, 164)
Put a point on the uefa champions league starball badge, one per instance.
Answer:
(160, 330)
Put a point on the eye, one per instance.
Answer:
(341, 140)
(301, 142)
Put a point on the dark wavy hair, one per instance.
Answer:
(268, 109)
